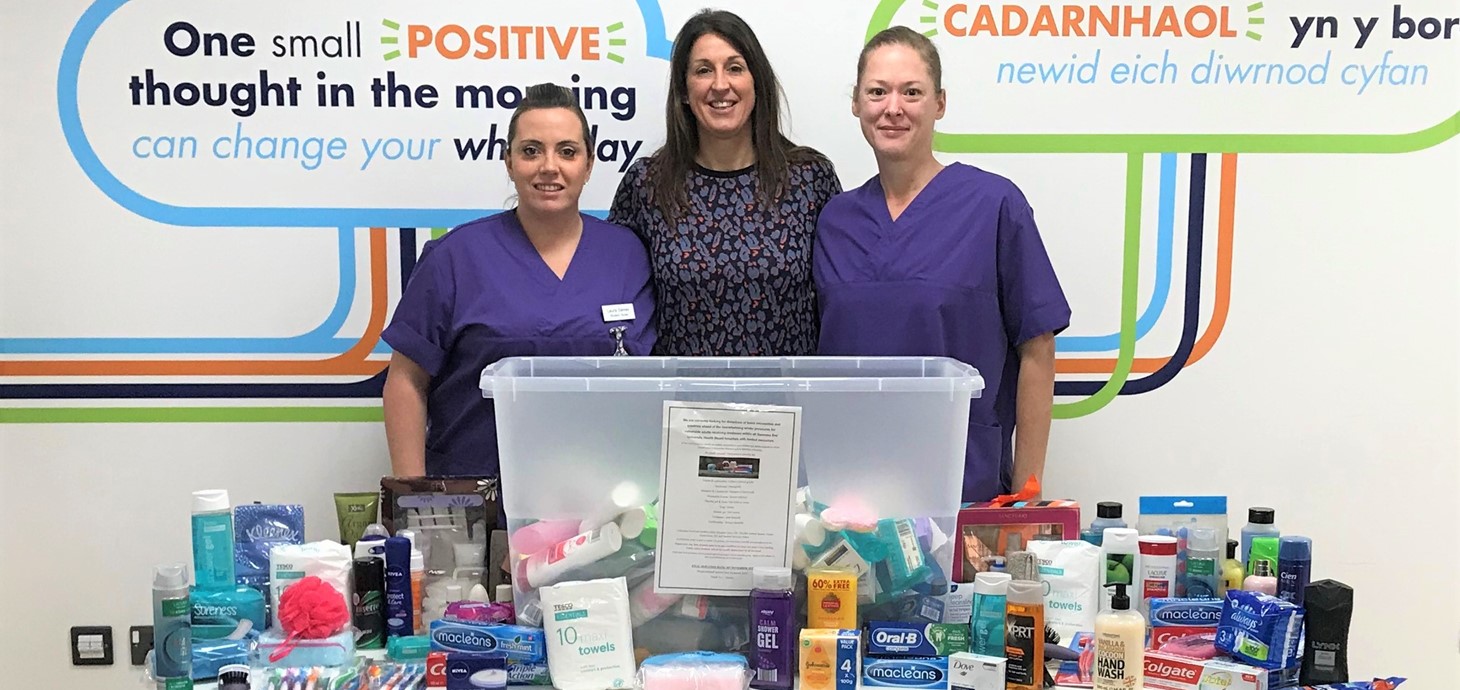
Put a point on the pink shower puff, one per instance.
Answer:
(849, 516)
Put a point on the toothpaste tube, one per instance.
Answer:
(919, 673)
(528, 673)
(1170, 672)
(476, 671)
(1261, 630)
(516, 642)
(1174, 617)
(886, 638)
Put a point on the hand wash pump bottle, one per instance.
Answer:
(1120, 638)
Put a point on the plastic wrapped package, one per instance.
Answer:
(695, 671)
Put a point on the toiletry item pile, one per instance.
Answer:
(856, 567)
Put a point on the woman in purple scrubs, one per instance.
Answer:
(542, 279)
(728, 206)
(933, 260)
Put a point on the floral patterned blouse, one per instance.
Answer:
(732, 277)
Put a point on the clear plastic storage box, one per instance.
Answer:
(576, 435)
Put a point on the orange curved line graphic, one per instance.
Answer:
(1226, 207)
(351, 362)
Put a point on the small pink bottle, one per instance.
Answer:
(1261, 579)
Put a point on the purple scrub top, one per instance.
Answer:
(482, 293)
(962, 273)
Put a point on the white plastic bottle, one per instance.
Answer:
(1120, 546)
(545, 567)
(1120, 638)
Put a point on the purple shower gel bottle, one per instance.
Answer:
(773, 615)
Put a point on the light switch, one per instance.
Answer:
(91, 645)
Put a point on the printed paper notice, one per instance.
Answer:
(727, 495)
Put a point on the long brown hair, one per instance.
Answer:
(670, 165)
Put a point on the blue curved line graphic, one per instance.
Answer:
(320, 340)
(1196, 221)
(1165, 220)
(656, 42)
(190, 216)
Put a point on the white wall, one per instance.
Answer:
(1332, 394)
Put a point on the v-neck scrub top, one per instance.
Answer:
(483, 292)
(961, 273)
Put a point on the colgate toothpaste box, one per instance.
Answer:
(1171, 672)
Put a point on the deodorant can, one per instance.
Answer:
(369, 603)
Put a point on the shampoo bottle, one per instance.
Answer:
(1158, 569)
(1329, 605)
(989, 596)
(1024, 636)
(1107, 514)
(213, 540)
(1260, 523)
(773, 614)
(1120, 639)
(172, 627)
(1120, 546)
(1232, 573)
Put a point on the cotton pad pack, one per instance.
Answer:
(1071, 574)
(589, 634)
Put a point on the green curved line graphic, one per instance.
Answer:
(1130, 270)
(1403, 142)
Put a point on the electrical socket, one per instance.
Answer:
(141, 643)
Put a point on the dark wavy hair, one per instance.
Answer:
(547, 96)
(774, 153)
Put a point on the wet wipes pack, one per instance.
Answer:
(1260, 630)
(258, 528)
(520, 644)
(590, 637)
(1071, 571)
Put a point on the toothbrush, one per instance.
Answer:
(313, 678)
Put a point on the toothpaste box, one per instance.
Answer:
(476, 671)
(885, 638)
(975, 672)
(1170, 672)
(919, 673)
(1173, 617)
(516, 642)
(436, 670)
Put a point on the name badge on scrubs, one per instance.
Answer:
(618, 312)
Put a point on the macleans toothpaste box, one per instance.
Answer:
(1171, 672)
(520, 644)
(917, 673)
(1174, 617)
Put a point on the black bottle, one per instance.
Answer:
(1329, 606)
